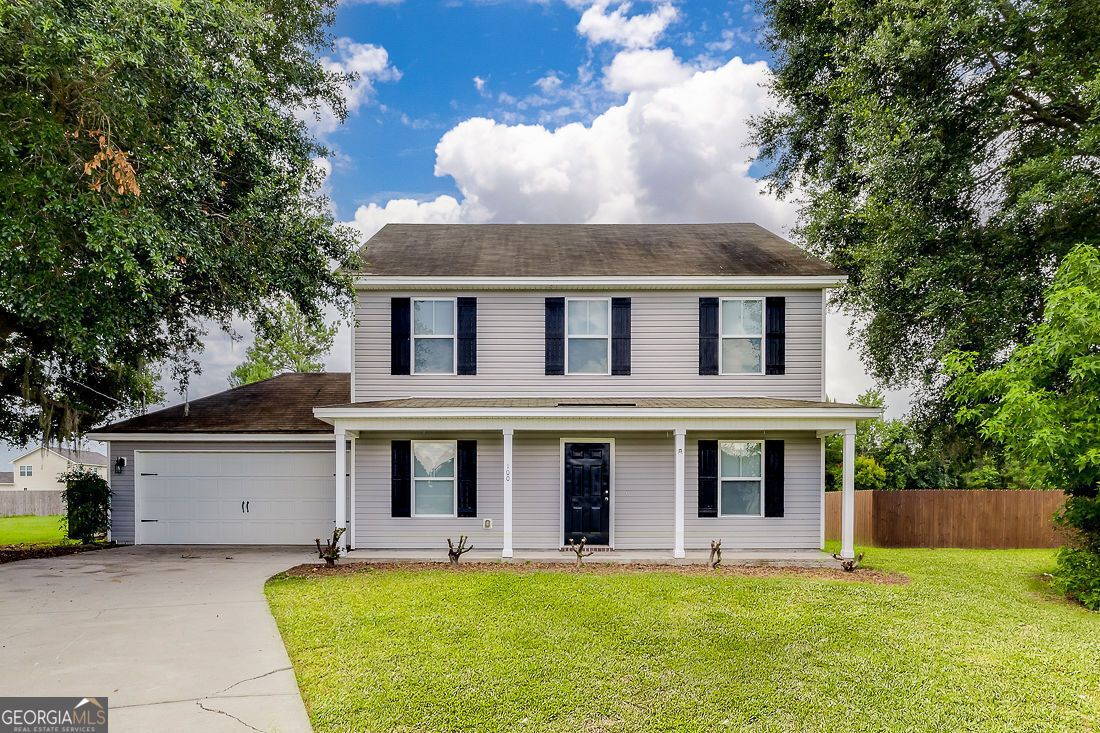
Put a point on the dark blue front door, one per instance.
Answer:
(588, 492)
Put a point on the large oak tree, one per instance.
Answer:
(947, 155)
(155, 177)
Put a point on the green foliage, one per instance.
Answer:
(946, 153)
(834, 462)
(293, 343)
(1043, 404)
(868, 474)
(87, 504)
(1078, 576)
(155, 177)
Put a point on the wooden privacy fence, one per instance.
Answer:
(950, 518)
(40, 503)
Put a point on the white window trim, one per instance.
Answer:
(722, 337)
(567, 337)
(414, 479)
(413, 337)
(721, 478)
(26, 471)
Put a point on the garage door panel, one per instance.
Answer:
(196, 497)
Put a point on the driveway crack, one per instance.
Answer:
(249, 679)
(228, 715)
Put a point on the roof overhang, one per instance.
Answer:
(154, 437)
(625, 282)
(821, 420)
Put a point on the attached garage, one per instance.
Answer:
(248, 466)
(234, 497)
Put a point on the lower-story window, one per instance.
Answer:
(433, 478)
(741, 478)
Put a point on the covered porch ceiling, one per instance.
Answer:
(592, 413)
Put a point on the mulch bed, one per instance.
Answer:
(861, 575)
(14, 553)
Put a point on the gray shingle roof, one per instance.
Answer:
(611, 402)
(553, 250)
(83, 457)
(282, 404)
(7, 477)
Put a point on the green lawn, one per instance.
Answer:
(975, 642)
(31, 530)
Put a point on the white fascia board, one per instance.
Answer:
(592, 424)
(211, 437)
(330, 414)
(678, 282)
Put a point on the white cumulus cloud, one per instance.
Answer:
(677, 153)
(645, 70)
(370, 64)
(602, 24)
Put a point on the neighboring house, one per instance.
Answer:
(640, 386)
(40, 468)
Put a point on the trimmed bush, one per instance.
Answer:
(88, 503)
(1078, 576)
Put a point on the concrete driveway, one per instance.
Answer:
(178, 639)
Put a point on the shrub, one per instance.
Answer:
(87, 504)
(1078, 576)
(869, 474)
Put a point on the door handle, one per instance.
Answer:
(242, 507)
(248, 506)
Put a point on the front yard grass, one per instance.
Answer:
(31, 530)
(27, 537)
(975, 641)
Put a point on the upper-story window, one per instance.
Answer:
(433, 336)
(588, 336)
(742, 331)
(25, 471)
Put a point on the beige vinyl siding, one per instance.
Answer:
(800, 525)
(664, 350)
(122, 484)
(643, 495)
(375, 528)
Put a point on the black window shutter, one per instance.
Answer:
(401, 478)
(773, 478)
(555, 335)
(775, 332)
(708, 478)
(467, 335)
(708, 336)
(467, 478)
(399, 335)
(620, 336)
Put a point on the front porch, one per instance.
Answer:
(655, 492)
(754, 558)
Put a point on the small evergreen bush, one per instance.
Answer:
(1078, 576)
(88, 503)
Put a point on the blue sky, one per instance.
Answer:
(386, 149)
(569, 111)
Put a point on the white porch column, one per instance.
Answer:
(848, 496)
(507, 528)
(341, 483)
(678, 546)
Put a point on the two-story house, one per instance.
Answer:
(641, 386)
(40, 469)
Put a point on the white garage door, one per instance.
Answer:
(232, 498)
